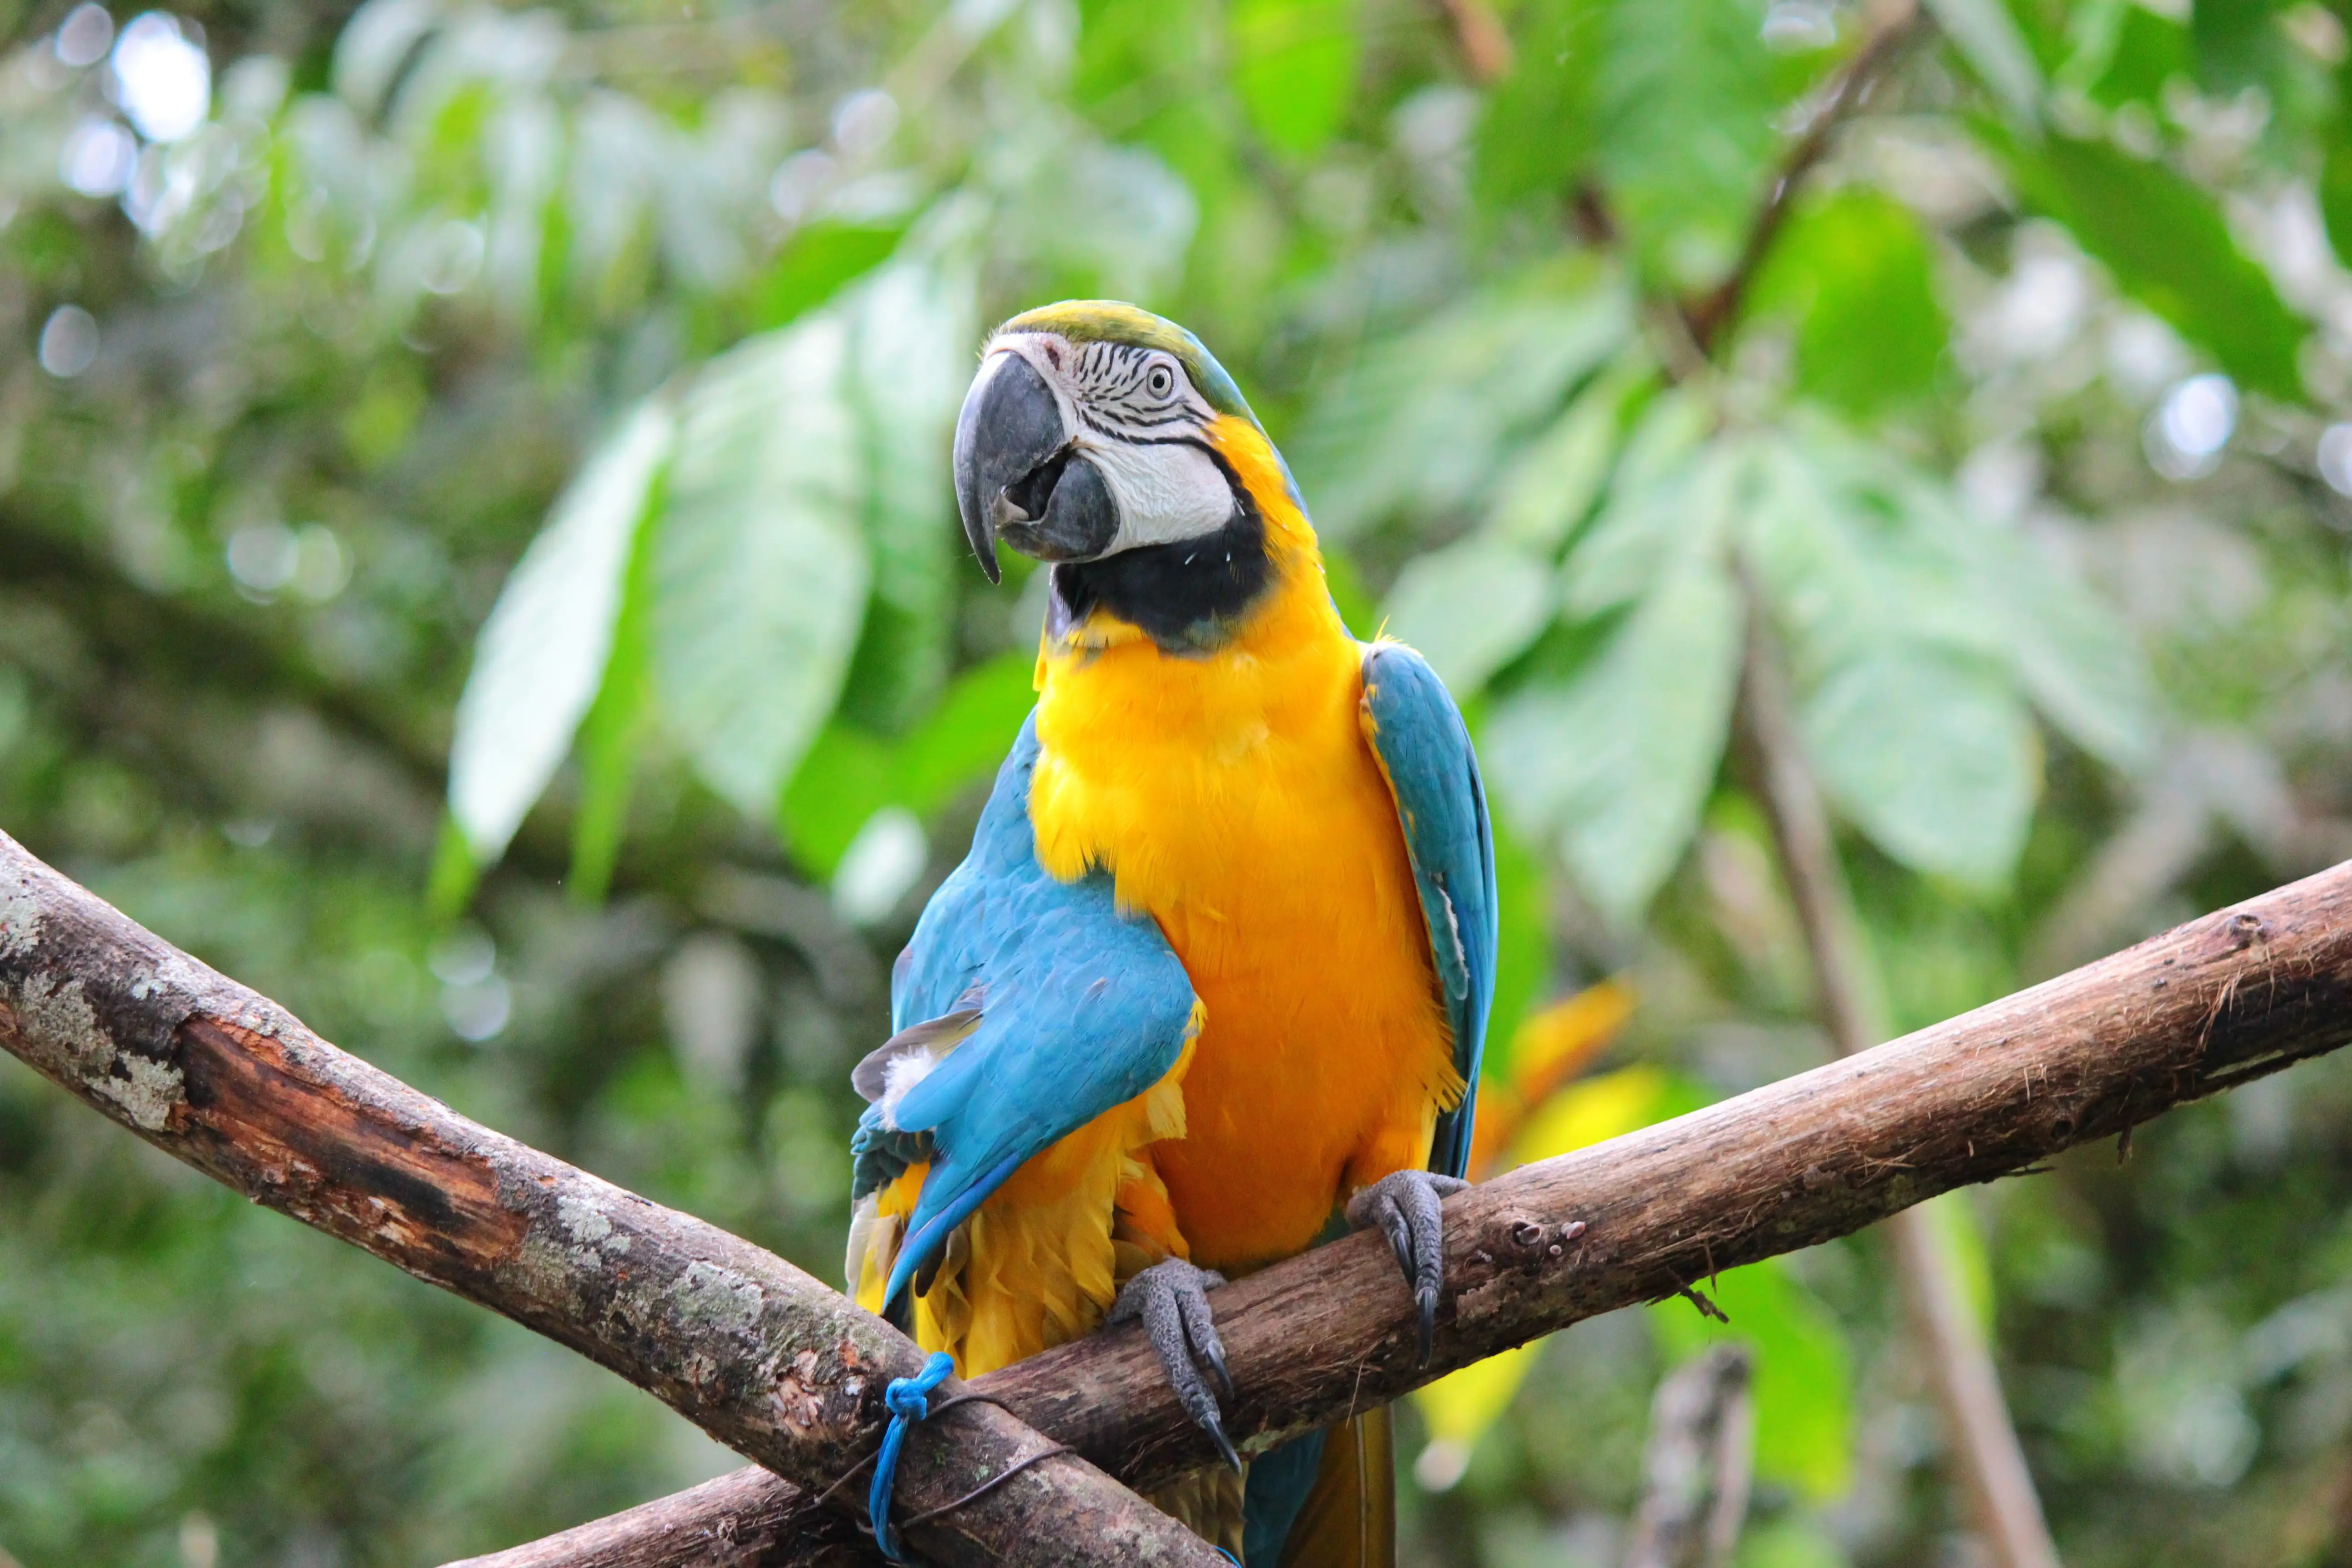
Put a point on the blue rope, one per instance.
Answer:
(910, 1400)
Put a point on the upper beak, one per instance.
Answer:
(1019, 476)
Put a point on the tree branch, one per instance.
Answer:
(1893, 26)
(1986, 1454)
(2201, 1008)
(757, 1354)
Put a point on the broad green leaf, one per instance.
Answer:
(1687, 102)
(1295, 67)
(615, 728)
(1936, 759)
(846, 776)
(1423, 422)
(1523, 951)
(2239, 44)
(851, 773)
(1804, 1418)
(1987, 36)
(912, 328)
(2077, 660)
(1789, 1542)
(1653, 524)
(2336, 164)
(1854, 271)
(1470, 608)
(1539, 127)
(1562, 473)
(760, 572)
(1859, 555)
(820, 259)
(541, 655)
(1614, 764)
(967, 736)
(2142, 52)
(2169, 247)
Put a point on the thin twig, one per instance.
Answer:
(1478, 33)
(1892, 30)
(1991, 1463)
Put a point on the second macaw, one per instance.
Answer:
(1217, 970)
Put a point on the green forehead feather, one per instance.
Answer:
(1113, 322)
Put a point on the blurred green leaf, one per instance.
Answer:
(1688, 101)
(1853, 270)
(851, 773)
(2078, 662)
(541, 655)
(1987, 36)
(1538, 128)
(820, 260)
(1471, 607)
(1790, 1544)
(1523, 951)
(2169, 247)
(1674, 500)
(1563, 473)
(614, 728)
(2140, 53)
(760, 570)
(1804, 1436)
(1295, 67)
(1614, 764)
(1933, 759)
(1423, 422)
(1861, 555)
(913, 328)
(2238, 42)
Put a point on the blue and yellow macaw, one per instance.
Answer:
(1219, 965)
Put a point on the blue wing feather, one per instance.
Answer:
(1418, 735)
(1082, 1008)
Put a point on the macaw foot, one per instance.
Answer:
(1172, 1298)
(1405, 1206)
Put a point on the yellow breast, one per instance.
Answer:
(1234, 796)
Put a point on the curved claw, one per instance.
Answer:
(1406, 1207)
(1172, 1298)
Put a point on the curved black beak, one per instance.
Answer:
(1018, 476)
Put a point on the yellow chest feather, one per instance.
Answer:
(1234, 796)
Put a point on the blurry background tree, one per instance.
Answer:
(476, 563)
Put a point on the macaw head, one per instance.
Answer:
(1107, 440)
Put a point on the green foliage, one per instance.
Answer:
(492, 580)
(2167, 243)
(1688, 95)
(1856, 274)
(1804, 1397)
(1295, 67)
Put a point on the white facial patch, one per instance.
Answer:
(1165, 492)
(1134, 413)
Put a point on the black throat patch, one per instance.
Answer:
(1186, 597)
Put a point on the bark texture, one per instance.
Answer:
(764, 1357)
(2205, 1006)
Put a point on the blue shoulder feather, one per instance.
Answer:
(1418, 735)
(1080, 1009)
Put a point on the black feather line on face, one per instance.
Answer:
(1185, 595)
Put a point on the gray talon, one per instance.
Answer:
(1405, 1205)
(1172, 1298)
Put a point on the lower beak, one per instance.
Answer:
(1018, 476)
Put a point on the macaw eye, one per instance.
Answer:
(1160, 382)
